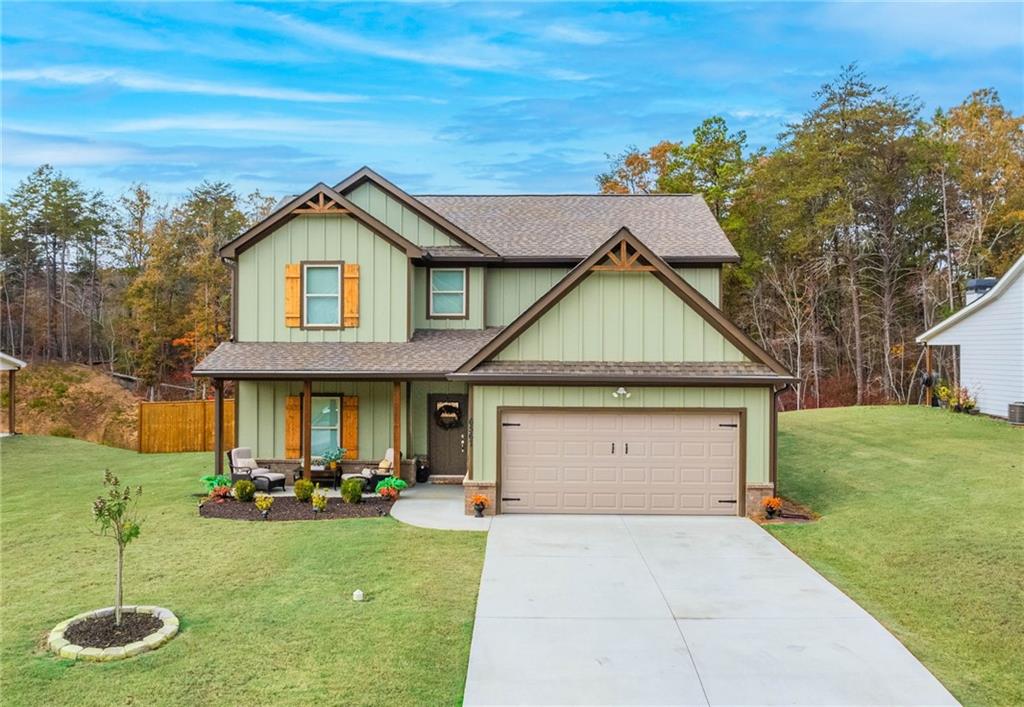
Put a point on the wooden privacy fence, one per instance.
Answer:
(183, 426)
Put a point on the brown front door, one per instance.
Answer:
(447, 416)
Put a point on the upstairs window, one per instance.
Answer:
(321, 296)
(447, 293)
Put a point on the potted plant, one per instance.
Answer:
(480, 502)
(772, 506)
(391, 482)
(332, 457)
(263, 504)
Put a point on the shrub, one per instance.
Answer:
(211, 482)
(263, 503)
(303, 490)
(63, 431)
(352, 490)
(245, 490)
(319, 499)
(220, 494)
(391, 482)
(389, 493)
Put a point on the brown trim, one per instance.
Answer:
(234, 297)
(396, 427)
(293, 209)
(465, 295)
(218, 427)
(408, 421)
(303, 264)
(928, 372)
(568, 379)
(773, 440)
(324, 375)
(410, 291)
(236, 388)
(741, 481)
(365, 174)
(721, 289)
(469, 433)
(12, 414)
(307, 429)
(669, 277)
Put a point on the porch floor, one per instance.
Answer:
(437, 506)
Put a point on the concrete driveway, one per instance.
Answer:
(670, 610)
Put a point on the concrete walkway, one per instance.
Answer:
(436, 506)
(669, 610)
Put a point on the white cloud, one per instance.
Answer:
(574, 34)
(567, 75)
(87, 76)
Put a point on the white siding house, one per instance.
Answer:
(990, 334)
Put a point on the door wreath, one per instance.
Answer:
(448, 416)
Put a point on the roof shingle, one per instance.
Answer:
(675, 226)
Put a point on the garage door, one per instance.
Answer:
(619, 462)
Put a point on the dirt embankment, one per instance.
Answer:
(72, 400)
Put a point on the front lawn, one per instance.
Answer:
(921, 525)
(265, 608)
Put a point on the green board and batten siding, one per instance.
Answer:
(511, 290)
(398, 216)
(475, 303)
(261, 410)
(611, 316)
(383, 282)
(487, 400)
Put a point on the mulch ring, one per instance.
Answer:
(290, 508)
(103, 633)
(792, 513)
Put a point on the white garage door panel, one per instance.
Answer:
(632, 462)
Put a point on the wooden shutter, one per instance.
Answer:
(293, 427)
(350, 296)
(350, 426)
(293, 294)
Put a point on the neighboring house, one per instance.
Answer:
(562, 353)
(990, 334)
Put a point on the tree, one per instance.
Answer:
(117, 516)
(713, 165)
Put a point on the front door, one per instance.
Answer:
(447, 417)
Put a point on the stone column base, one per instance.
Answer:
(755, 494)
(472, 487)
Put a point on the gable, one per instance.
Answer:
(624, 255)
(261, 283)
(401, 218)
(621, 316)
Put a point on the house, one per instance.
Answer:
(557, 353)
(990, 334)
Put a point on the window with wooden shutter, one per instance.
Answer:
(293, 427)
(350, 300)
(293, 294)
(350, 426)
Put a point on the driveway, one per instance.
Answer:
(671, 610)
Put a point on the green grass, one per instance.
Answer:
(922, 525)
(265, 608)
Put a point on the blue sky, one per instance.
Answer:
(448, 97)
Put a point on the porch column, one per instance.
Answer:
(928, 372)
(307, 428)
(396, 426)
(218, 426)
(10, 403)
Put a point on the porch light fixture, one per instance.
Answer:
(622, 392)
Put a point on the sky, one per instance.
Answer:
(454, 98)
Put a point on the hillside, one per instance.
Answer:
(72, 400)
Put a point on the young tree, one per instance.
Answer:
(117, 516)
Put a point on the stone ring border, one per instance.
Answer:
(65, 649)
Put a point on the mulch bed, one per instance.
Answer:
(792, 512)
(289, 508)
(102, 633)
